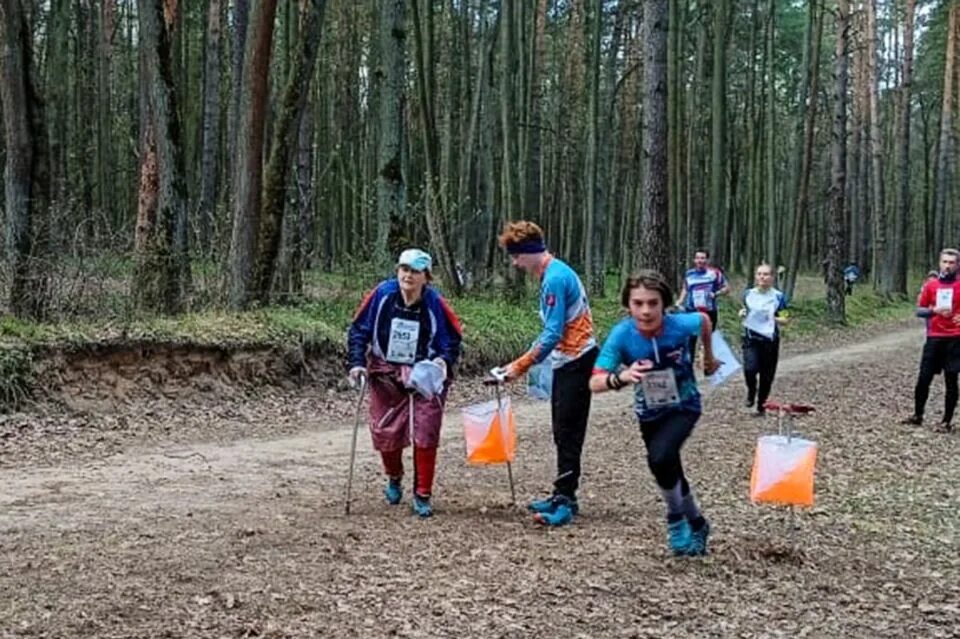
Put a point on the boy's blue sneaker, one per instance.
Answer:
(422, 507)
(393, 491)
(563, 512)
(698, 539)
(548, 505)
(680, 537)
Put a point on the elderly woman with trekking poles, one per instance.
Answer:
(650, 350)
(404, 326)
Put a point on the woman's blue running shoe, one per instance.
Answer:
(421, 506)
(393, 491)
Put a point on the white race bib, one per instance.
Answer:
(404, 336)
(760, 321)
(700, 298)
(945, 299)
(660, 388)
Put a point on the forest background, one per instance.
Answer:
(228, 169)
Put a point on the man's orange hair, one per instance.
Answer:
(520, 231)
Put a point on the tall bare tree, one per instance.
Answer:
(210, 126)
(391, 77)
(436, 214)
(162, 273)
(285, 137)
(945, 164)
(898, 278)
(595, 222)
(836, 240)
(248, 173)
(26, 174)
(654, 231)
(877, 201)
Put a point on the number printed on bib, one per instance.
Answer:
(404, 336)
(660, 388)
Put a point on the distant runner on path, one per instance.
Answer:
(939, 302)
(702, 285)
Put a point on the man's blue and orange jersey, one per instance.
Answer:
(567, 322)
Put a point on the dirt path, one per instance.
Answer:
(246, 538)
(202, 476)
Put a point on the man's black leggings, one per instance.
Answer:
(939, 354)
(569, 411)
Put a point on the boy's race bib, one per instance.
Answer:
(660, 388)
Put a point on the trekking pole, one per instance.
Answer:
(353, 442)
(413, 443)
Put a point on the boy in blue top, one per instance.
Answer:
(651, 350)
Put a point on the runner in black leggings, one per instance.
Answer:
(650, 351)
(761, 313)
(939, 302)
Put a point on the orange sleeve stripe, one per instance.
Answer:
(525, 362)
(364, 303)
(451, 316)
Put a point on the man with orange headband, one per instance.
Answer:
(568, 340)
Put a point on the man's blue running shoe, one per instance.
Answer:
(698, 539)
(564, 510)
(393, 491)
(549, 504)
(421, 506)
(680, 537)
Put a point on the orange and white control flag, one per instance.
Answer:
(783, 471)
(491, 434)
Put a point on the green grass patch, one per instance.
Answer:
(495, 330)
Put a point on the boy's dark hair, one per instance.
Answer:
(650, 280)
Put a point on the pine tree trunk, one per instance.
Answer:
(595, 222)
(391, 75)
(802, 203)
(161, 277)
(836, 243)
(435, 213)
(286, 134)
(210, 127)
(773, 216)
(902, 214)
(26, 175)
(654, 234)
(248, 175)
(877, 203)
(945, 164)
(718, 138)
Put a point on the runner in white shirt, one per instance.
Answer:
(761, 313)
